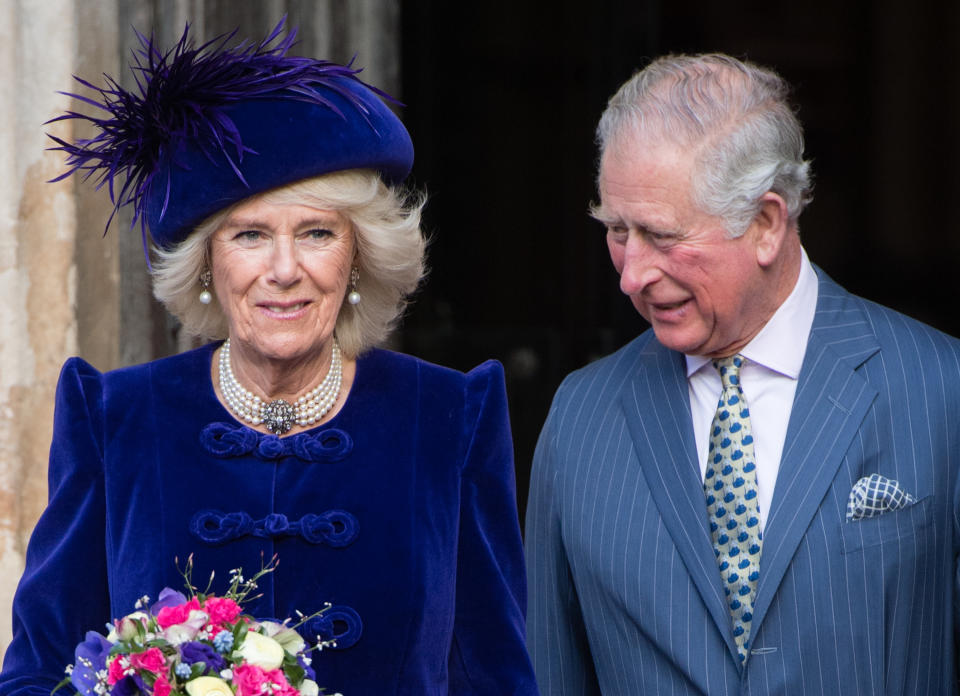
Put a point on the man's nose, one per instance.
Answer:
(639, 265)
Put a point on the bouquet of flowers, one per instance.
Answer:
(196, 645)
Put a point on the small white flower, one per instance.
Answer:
(309, 688)
(321, 644)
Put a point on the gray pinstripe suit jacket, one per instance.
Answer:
(625, 595)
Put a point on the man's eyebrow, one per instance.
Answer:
(608, 220)
(597, 212)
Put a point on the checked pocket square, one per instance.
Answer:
(874, 495)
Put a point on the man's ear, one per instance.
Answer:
(770, 228)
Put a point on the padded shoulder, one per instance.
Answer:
(441, 382)
(616, 366)
(78, 418)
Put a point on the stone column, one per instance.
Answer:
(38, 223)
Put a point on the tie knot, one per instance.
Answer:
(729, 369)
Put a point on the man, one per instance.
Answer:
(799, 538)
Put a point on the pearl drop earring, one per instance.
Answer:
(353, 297)
(205, 279)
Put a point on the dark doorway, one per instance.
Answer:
(502, 102)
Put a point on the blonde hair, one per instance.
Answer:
(391, 254)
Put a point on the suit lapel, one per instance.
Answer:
(830, 404)
(656, 406)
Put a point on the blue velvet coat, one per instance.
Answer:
(400, 512)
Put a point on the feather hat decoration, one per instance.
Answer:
(207, 127)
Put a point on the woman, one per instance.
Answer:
(384, 484)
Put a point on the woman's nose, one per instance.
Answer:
(285, 261)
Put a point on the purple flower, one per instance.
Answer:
(310, 674)
(131, 685)
(167, 598)
(194, 651)
(89, 657)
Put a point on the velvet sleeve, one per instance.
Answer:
(488, 655)
(63, 592)
(556, 633)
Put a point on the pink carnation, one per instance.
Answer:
(150, 659)
(249, 680)
(161, 687)
(116, 669)
(170, 616)
(221, 610)
(278, 678)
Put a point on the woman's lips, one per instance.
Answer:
(284, 310)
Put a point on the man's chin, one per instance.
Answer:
(680, 339)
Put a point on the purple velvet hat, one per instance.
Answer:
(210, 126)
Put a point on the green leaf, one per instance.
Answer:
(295, 674)
(122, 648)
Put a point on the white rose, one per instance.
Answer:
(260, 650)
(125, 629)
(309, 688)
(208, 686)
(288, 638)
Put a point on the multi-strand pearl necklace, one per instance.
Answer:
(279, 416)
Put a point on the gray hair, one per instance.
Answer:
(745, 137)
(391, 253)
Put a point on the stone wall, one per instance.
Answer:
(38, 222)
(67, 288)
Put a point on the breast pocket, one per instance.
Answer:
(889, 526)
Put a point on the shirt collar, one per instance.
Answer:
(782, 342)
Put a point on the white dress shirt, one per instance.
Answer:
(768, 380)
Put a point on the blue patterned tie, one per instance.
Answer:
(730, 485)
